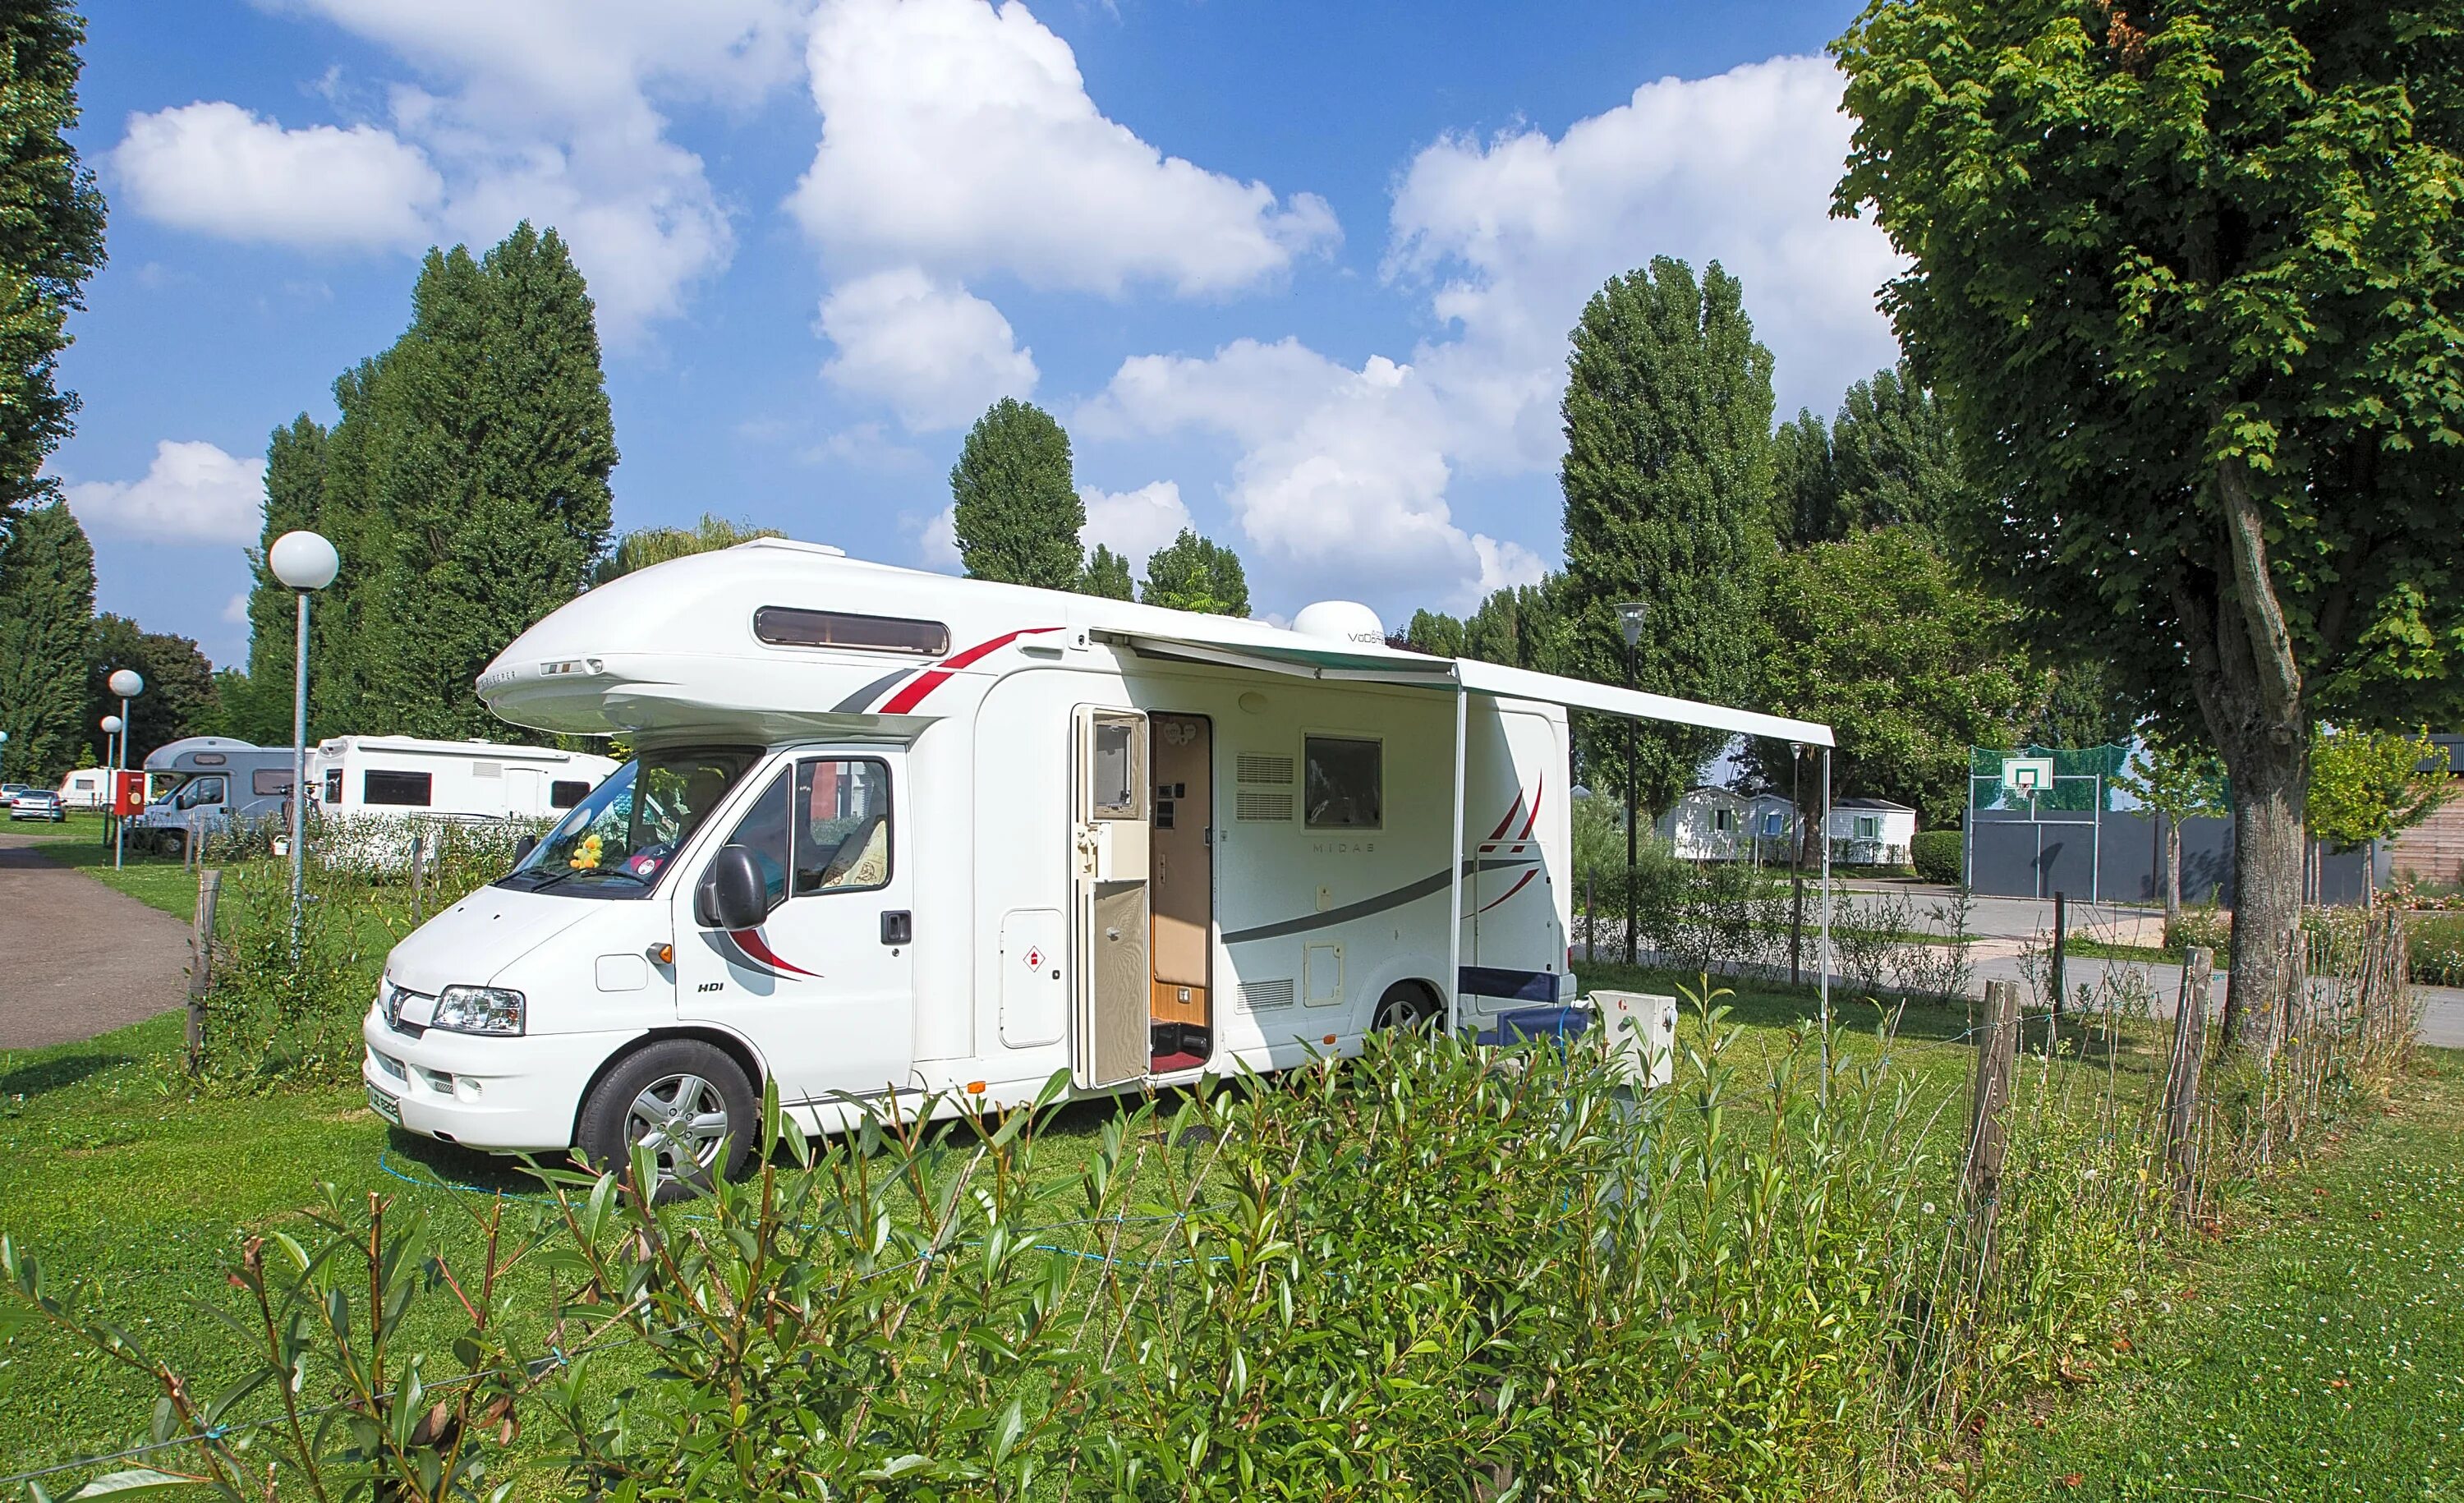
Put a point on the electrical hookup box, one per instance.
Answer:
(1641, 1031)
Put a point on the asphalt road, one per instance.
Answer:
(76, 958)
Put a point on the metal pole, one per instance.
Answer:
(298, 774)
(1826, 926)
(2095, 844)
(119, 825)
(1630, 916)
(1454, 874)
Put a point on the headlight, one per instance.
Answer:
(479, 1009)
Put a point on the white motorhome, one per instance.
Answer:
(402, 776)
(893, 835)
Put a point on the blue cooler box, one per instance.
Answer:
(1527, 1024)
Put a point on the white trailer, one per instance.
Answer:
(400, 777)
(892, 836)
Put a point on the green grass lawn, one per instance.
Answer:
(2314, 1350)
(118, 1175)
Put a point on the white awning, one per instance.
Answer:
(1364, 664)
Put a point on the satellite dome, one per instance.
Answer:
(1341, 621)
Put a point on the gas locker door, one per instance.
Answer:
(1109, 837)
(825, 985)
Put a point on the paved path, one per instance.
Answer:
(76, 958)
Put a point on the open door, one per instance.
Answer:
(1111, 840)
(1183, 868)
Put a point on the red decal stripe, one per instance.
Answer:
(909, 697)
(1499, 833)
(1537, 794)
(759, 949)
(1520, 883)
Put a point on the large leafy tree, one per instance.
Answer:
(1194, 573)
(178, 699)
(50, 240)
(1108, 575)
(1434, 631)
(1805, 483)
(2187, 272)
(1880, 637)
(255, 704)
(1667, 481)
(1017, 513)
(46, 627)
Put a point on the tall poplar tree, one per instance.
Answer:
(1667, 482)
(1017, 515)
(494, 482)
(1108, 575)
(256, 705)
(50, 240)
(46, 626)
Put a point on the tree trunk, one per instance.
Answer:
(2173, 875)
(2270, 787)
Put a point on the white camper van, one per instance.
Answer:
(895, 835)
(353, 776)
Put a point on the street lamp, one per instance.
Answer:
(111, 724)
(1630, 615)
(305, 562)
(127, 683)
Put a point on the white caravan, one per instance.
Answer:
(402, 776)
(893, 835)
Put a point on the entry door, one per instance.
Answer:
(825, 985)
(1110, 839)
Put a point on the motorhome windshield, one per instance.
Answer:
(617, 841)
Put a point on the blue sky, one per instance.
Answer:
(1297, 275)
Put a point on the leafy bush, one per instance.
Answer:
(1936, 855)
(2438, 942)
(2210, 926)
(268, 1018)
(1436, 1271)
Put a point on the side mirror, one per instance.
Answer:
(523, 847)
(733, 895)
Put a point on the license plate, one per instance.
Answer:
(384, 1106)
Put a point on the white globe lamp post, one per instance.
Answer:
(111, 724)
(127, 683)
(305, 562)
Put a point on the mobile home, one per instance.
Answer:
(890, 836)
(403, 776)
(211, 783)
(90, 787)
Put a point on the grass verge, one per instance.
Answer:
(2314, 1349)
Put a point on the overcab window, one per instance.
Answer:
(784, 625)
(1346, 783)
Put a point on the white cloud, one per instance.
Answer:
(1344, 475)
(542, 110)
(935, 352)
(960, 138)
(1515, 234)
(217, 169)
(937, 544)
(1134, 524)
(235, 610)
(1342, 481)
(192, 493)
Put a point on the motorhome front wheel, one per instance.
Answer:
(684, 1100)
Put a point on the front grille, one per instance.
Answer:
(395, 997)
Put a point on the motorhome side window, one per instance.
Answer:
(783, 625)
(566, 792)
(1114, 769)
(842, 825)
(274, 782)
(1345, 783)
(399, 789)
(333, 786)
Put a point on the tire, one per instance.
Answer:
(1405, 1009)
(649, 1094)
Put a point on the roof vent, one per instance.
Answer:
(1341, 621)
(793, 545)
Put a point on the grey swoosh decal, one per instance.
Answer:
(1435, 883)
(856, 702)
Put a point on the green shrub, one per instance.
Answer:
(2210, 926)
(1438, 1270)
(2437, 944)
(1936, 855)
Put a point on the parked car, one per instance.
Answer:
(37, 804)
(9, 792)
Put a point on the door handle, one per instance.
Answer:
(898, 927)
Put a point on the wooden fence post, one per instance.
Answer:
(2182, 1077)
(1997, 1053)
(2061, 948)
(418, 863)
(201, 966)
